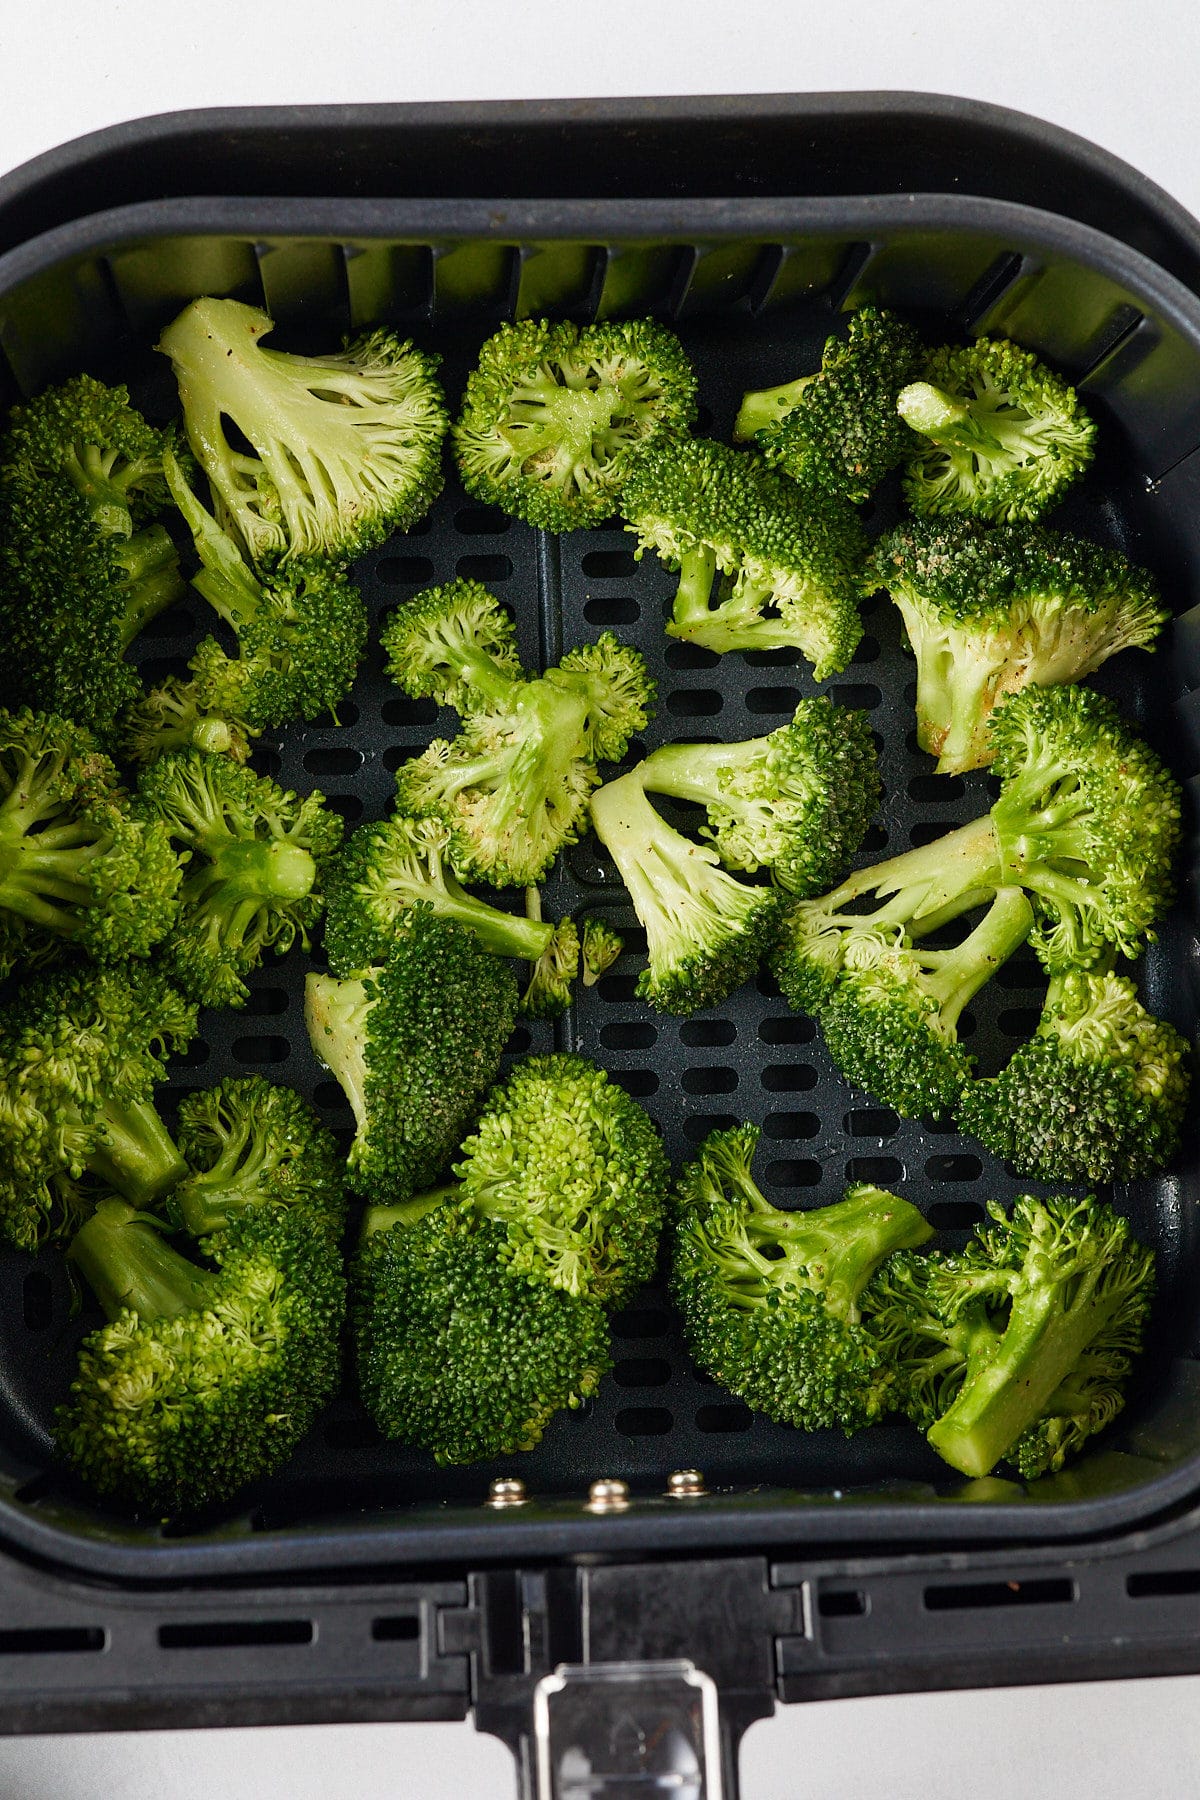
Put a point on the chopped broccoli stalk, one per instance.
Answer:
(1005, 436)
(991, 610)
(455, 644)
(838, 429)
(250, 1143)
(346, 447)
(770, 1299)
(556, 415)
(1098, 1093)
(705, 930)
(793, 571)
(600, 946)
(797, 801)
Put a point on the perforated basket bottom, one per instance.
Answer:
(750, 1059)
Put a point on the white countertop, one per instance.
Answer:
(1125, 76)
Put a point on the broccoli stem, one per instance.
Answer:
(990, 426)
(260, 869)
(335, 1013)
(128, 1264)
(136, 1154)
(408, 1212)
(767, 406)
(152, 579)
(932, 884)
(846, 1242)
(955, 976)
(693, 771)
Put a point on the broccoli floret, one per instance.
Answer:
(556, 415)
(80, 1053)
(415, 1043)
(793, 569)
(454, 644)
(388, 867)
(204, 1378)
(548, 993)
(253, 881)
(250, 1143)
(891, 1019)
(1005, 436)
(599, 948)
(185, 715)
(770, 1299)
(838, 429)
(617, 691)
(456, 1354)
(989, 611)
(705, 930)
(75, 859)
(83, 567)
(797, 801)
(1098, 1093)
(574, 1171)
(345, 447)
(1063, 1292)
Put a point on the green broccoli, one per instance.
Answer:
(454, 644)
(253, 883)
(838, 429)
(556, 415)
(793, 567)
(455, 1354)
(250, 1143)
(991, 610)
(1019, 1349)
(599, 948)
(75, 859)
(797, 801)
(770, 1299)
(415, 1042)
(548, 993)
(83, 565)
(345, 447)
(705, 930)
(1004, 435)
(195, 714)
(1098, 1093)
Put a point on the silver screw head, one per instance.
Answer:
(608, 1495)
(506, 1490)
(685, 1484)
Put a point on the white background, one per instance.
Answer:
(1122, 74)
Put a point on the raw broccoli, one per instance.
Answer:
(204, 1378)
(456, 1354)
(253, 881)
(250, 1143)
(454, 644)
(1098, 1094)
(797, 801)
(989, 611)
(83, 566)
(189, 714)
(80, 1053)
(838, 429)
(793, 567)
(415, 1043)
(390, 866)
(770, 1299)
(1062, 1290)
(345, 447)
(705, 930)
(1004, 435)
(548, 993)
(75, 859)
(599, 948)
(891, 1019)
(556, 415)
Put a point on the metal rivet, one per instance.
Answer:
(507, 1490)
(685, 1484)
(608, 1496)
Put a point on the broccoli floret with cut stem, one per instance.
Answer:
(617, 691)
(930, 1351)
(454, 644)
(797, 801)
(574, 1171)
(556, 415)
(771, 1299)
(205, 1378)
(548, 993)
(705, 930)
(599, 948)
(387, 868)
(345, 448)
(181, 715)
(1098, 1093)
(989, 611)
(838, 429)
(76, 861)
(1004, 435)
(455, 1354)
(250, 1143)
(253, 882)
(83, 564)
(415, 1043)
(792, 570)
(891, 1019)
(81, 1051)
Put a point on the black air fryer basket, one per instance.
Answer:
(362, 1581)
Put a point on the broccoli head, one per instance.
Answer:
(556, 415)
(345, 447)
(989, 611)
(253, 1144)
(1004, 436)
(455, 644)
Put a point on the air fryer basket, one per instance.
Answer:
(753, 289)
